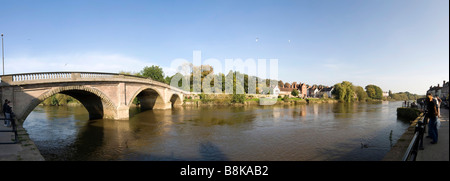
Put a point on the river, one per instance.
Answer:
(314, 132)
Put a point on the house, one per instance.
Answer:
(276, 91)
(444, 91)
(435, 91)
(302, 90)
(327, 90)
(313, 91)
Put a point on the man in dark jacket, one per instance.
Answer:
(432, 114)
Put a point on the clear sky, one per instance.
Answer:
(399, 45)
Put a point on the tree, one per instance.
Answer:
(294, 92)
(374, 92)
(360, 93)
(343, 91)
(154, 72)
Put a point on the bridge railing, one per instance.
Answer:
(97, 75)
(55, 75)
(18, 79)
(41, 76)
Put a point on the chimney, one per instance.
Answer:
(443, 83)
(438, 85)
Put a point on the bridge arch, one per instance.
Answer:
(149, 98)
(176, 100)
(96, 103)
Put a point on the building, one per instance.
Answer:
(313, 91)
(276, 91)
(303, 90)
(439, 91)
(327, 90)
(444, 91)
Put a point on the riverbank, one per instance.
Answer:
(25, 150)
(255, 102)
(437, 152)
(398, 150)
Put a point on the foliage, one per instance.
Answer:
(407, 113)
(285, 98)
(343, 91)
(129, 73)
(294, 92)
(205, 98)
(59, 100)
(360, 93)
(405, 96)
(374, 92)
(238, 98)
(154, 72)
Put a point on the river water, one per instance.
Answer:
(339, 131)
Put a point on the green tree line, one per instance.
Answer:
(344, 91)
(347, 92)
(238, 84)
(59, 100)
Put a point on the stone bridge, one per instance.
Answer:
(104, 95)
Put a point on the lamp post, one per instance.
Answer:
(3, 57)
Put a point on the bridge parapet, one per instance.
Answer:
(104, 95)
(53, 77)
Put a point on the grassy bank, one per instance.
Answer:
(229, 99)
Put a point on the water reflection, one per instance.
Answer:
(297, 132)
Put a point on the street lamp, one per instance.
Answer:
(3, 57)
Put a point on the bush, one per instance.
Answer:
(294, 92)
(285, 98)
(204, 98)
(407, 113)
(238, 98)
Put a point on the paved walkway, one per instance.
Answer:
(439, 151)
(25, 150)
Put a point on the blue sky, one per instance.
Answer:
(400, 45)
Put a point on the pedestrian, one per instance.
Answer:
(8, 113)
(432, 114)
(438, 103)
(4, 110)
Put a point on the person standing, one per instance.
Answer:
(432, 114)
(8, 114)
(4, 108)
(438, 104)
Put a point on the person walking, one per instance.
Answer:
(432, 114)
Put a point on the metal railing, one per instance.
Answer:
(13, 129)
(417, 141)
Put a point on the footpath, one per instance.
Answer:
(431, 152)
(440, 150)
(24, 150)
